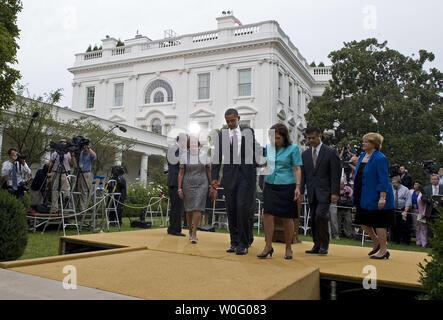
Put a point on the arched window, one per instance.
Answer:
(159, 84)
(156, 126)
(159, 97)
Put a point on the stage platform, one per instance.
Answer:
(150, 264)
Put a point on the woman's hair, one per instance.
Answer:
(375, 138)
(282, 130)
(189, 142)
(417, 181)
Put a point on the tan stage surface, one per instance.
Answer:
(153, 265)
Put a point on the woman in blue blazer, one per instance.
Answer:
(373, 195)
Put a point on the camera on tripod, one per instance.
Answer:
(429, 167)
(75, 146)
(117, 171)
(394, 170)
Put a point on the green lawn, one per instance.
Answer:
(45, 245)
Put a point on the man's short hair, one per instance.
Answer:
(396, 179)
(184, 135)
(435, 175)
(313, 129)
(231, 111)
(10, 150)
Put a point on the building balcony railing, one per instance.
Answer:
(321, 73)
(142, 47)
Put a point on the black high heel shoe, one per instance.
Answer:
(288, 257)
(264, 255)
(374, 251)
(386, 255)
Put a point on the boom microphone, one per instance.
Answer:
(123, 129)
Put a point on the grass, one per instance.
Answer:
(45, 245)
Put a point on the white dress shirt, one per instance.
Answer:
(317, 149)
(236, 131)
(435, 190)
(21, 170)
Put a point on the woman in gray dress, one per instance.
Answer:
(193, 184)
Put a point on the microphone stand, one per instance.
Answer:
(107, 132)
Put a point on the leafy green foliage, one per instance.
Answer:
(48, 127)
(13, 227)
(156, 172)
(120, 43)
(9, 32)
(138, 195)
(377, 89)
(431, 274)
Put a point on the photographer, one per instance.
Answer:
(38, 188)
(85, 161)
(117, 173)
(433, 189)
(13, 171)
(345, 203)
(59, 172)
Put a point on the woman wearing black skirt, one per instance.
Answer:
(373, 194)
(282, 187)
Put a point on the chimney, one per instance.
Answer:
(109, 43)
(227, 20)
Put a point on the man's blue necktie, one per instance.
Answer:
(14, 177)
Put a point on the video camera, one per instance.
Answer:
(394, 170)
(75, 146)
(117, 171)
(345, 163)
(429, 167)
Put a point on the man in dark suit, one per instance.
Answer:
(431, 206)
(406, 178)
(321, 176)
(236, 146)
(177, 208)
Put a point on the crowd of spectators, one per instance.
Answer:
(415, 203)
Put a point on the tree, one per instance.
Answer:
(48, 127)
(377, 89)
(34, 144)
(313, 65)
(431, 273)
(9, 33)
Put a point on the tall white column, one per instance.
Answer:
(144, 168)
(118, 158)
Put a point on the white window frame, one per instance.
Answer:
(239, 84)
(88, 97)
(152, 126)
(208, 88)
(122, 94)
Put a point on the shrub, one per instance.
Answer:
(13, 227)
(138, 195)
(431, 275)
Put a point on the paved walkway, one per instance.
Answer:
(20, 286)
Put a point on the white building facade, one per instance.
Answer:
(185, 83)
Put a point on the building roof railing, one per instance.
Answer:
(143, 47)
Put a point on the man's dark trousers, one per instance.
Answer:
(401, 233)
(320, 224)
(240, 208)
(175, 214)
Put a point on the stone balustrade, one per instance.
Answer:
(144, 47)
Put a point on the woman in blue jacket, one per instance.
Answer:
(373, 195)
